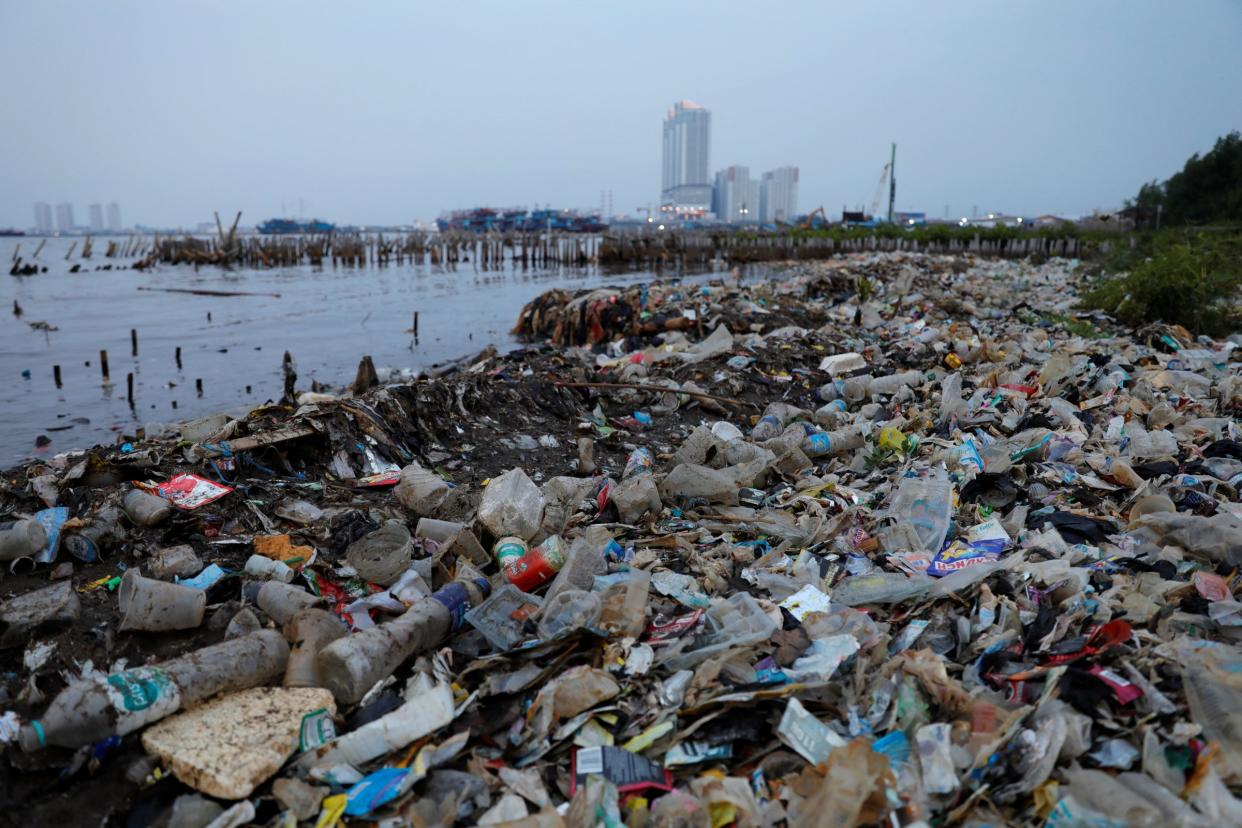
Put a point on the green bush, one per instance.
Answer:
(1189, 281)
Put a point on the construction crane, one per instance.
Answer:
(889, 173)
(879, 193)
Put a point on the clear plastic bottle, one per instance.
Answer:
(892, 383)
(773, 421)
(145, 509)
(350, 666)
(817, 443)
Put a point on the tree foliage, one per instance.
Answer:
(1189, 279)
(1208, 189)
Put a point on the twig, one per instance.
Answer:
(661, 389)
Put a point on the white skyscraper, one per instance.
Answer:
(43, 217)
(97, 224)
(114, 217)
(735, 198)
(778, 196)
(64, 217)
(686, 183)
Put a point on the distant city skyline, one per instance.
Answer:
(1052, 107)
(100, 219)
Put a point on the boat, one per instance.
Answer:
(9, 231)
(503, 220)
(284, 226)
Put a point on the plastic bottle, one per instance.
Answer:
(97, 707)
(773, 421)
(21, 539)
(854, 389)
(817, 443)
(258, 566)
(102, 535)
(831, 413)
(892, 383)
(350, 666)
(831, 391)
(145, 509)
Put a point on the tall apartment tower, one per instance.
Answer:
(735, 198)
(43, 217)
(64, 217)
(686, 183)
(114, 217)
(778, 195)
(97, 224)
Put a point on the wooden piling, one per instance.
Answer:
(133, 341)
(103, 364)
(129, 388)
(56, 375)
(198, 386)
(178, 357)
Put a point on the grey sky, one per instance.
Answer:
(389, 111)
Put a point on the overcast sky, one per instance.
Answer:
(383, 112)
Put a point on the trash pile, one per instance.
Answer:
(888, 539)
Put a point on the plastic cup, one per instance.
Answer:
(151, 605)
(382, 556)
(283, 601)
(309, 631)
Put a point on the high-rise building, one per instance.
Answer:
(43, 217)
(735, 198)
(778, 194)
(97, 224)
(64, 217)
(114, 217)
(686, 184)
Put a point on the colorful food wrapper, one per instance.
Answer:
(189, 491)
(984, 543)
(628, 771)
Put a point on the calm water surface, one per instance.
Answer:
(326, 317)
